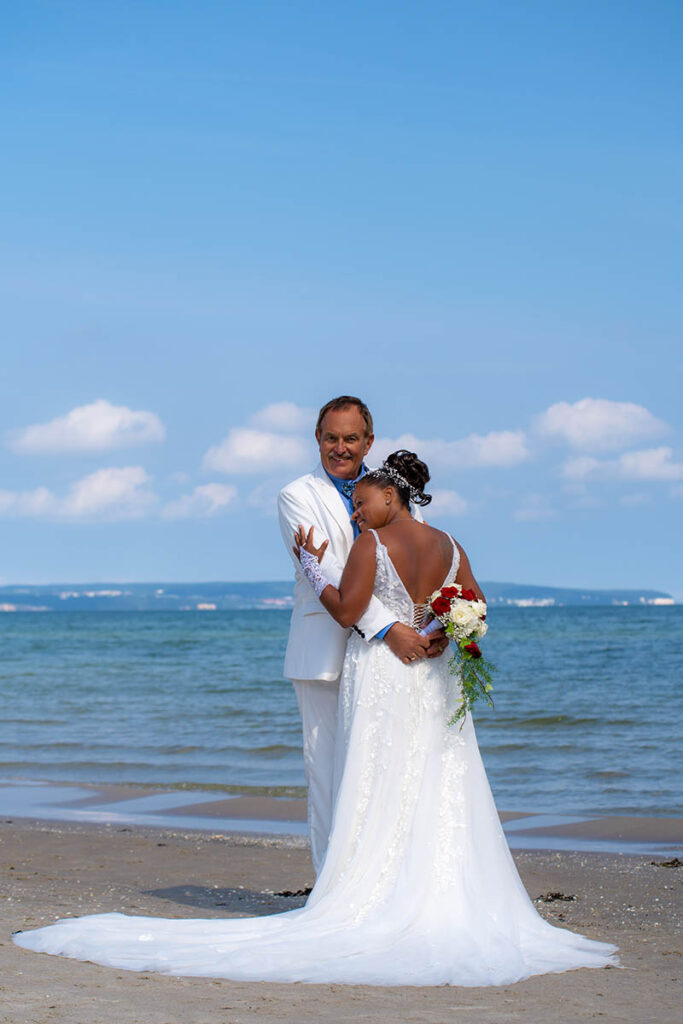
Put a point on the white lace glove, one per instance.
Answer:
(310, 567)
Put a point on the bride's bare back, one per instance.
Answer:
(422, 556)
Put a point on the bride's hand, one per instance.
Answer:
(305, 540)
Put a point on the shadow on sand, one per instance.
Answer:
(233, 901)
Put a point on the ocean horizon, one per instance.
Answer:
(217, 595)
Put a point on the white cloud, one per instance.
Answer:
(597, 424)
(280, 438)
(271, 441)
(650, 464)
(496, 449)
(653, 464)
(534, 508)
(582, 467)
(245, 450)
(110, 493)
(446, 502)
(97, 427)
(23, 504)
(285, 417)
(106, 494)
(204, 501)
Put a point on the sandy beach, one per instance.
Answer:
(51, 870)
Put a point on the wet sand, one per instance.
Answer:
(50, 870)
(259, 814)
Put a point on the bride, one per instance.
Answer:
(418, 886)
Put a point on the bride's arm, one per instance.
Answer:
(347, 602)
(293, 509)
(465, 576)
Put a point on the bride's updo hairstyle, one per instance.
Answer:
(404, 471)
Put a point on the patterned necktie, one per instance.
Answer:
(347, 487)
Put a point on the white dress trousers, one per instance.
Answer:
(317, 701)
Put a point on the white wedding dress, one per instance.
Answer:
(418, 886)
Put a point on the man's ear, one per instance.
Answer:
(368, 443)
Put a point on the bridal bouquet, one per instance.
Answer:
(463, 615)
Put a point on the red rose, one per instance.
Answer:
(473, 649)
(450, 592)
(440, 606)
(469, 595)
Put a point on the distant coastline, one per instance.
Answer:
(277, 595)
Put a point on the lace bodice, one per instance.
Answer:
(390, 589)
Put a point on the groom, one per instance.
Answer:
(316, 647)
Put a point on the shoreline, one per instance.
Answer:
(59, 869)
(259, 815)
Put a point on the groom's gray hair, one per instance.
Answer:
(343, 402)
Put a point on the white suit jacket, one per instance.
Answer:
(317, 643)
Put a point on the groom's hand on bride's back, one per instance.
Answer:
(405, 643)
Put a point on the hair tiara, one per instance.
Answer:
(393, 474)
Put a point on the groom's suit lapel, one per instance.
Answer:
(333, 502)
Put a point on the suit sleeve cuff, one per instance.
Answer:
(383, 632)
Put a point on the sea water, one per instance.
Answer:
(587, 719)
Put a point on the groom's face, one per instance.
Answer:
(343, 442)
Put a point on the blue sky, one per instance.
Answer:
(218, 215)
